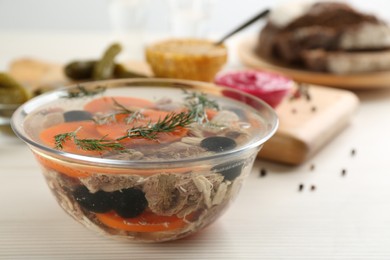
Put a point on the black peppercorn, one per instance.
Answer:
(263, 172)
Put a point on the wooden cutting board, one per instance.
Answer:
(306, 123)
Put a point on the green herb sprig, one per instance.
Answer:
(119, 110)
(167, 124)
(86, 144)
(133, 114)
(81, 91)
(197, 103)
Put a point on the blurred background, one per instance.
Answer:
(133, 23)
(94, 15)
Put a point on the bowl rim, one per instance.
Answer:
(20, 114)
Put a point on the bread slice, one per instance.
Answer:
(339, 62)
(326, 36)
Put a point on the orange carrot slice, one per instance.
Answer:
(107, 104)
(113, 130)
(118, 129)
(85, 130)
(146, 222)
(61, 167)
(81, 171)
(154, 115)
(211, 113)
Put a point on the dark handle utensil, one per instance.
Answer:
(246, 24)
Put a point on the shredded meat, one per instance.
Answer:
(164, 198)
(181, 150)
(111, 182)
(181, 194)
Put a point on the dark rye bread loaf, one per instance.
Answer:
(327, 33)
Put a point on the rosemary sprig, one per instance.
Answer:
(197, 103)
(167, 124)
(86, 144)
(81, 91)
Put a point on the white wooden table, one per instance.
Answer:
(345, 217)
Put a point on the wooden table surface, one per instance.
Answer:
(334, 216)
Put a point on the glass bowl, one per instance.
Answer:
(146, 160)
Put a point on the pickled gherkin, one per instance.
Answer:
(11, 92)
(105, 68)
(80, 70)
(120, 71)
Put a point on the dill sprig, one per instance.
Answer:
(81, 91)
(134, 117)
(167, 124)
(150, 131)
(120, 110)
(61, 138)
(197, 103)
(97, 144)
(86, 144)
(133, 114)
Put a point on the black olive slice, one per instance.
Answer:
(77, 115)
(129, 203)
(218, 143)
(229, 170)
(98, 202)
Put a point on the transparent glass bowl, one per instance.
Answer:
(173, 193)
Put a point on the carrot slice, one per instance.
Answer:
(154, 115)
(211, 113)
(83, 171)
(86, 129)
(146, 222)
(53, 164)
(118, 129)
(89, 130)
(79, 171)
(107, 104)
